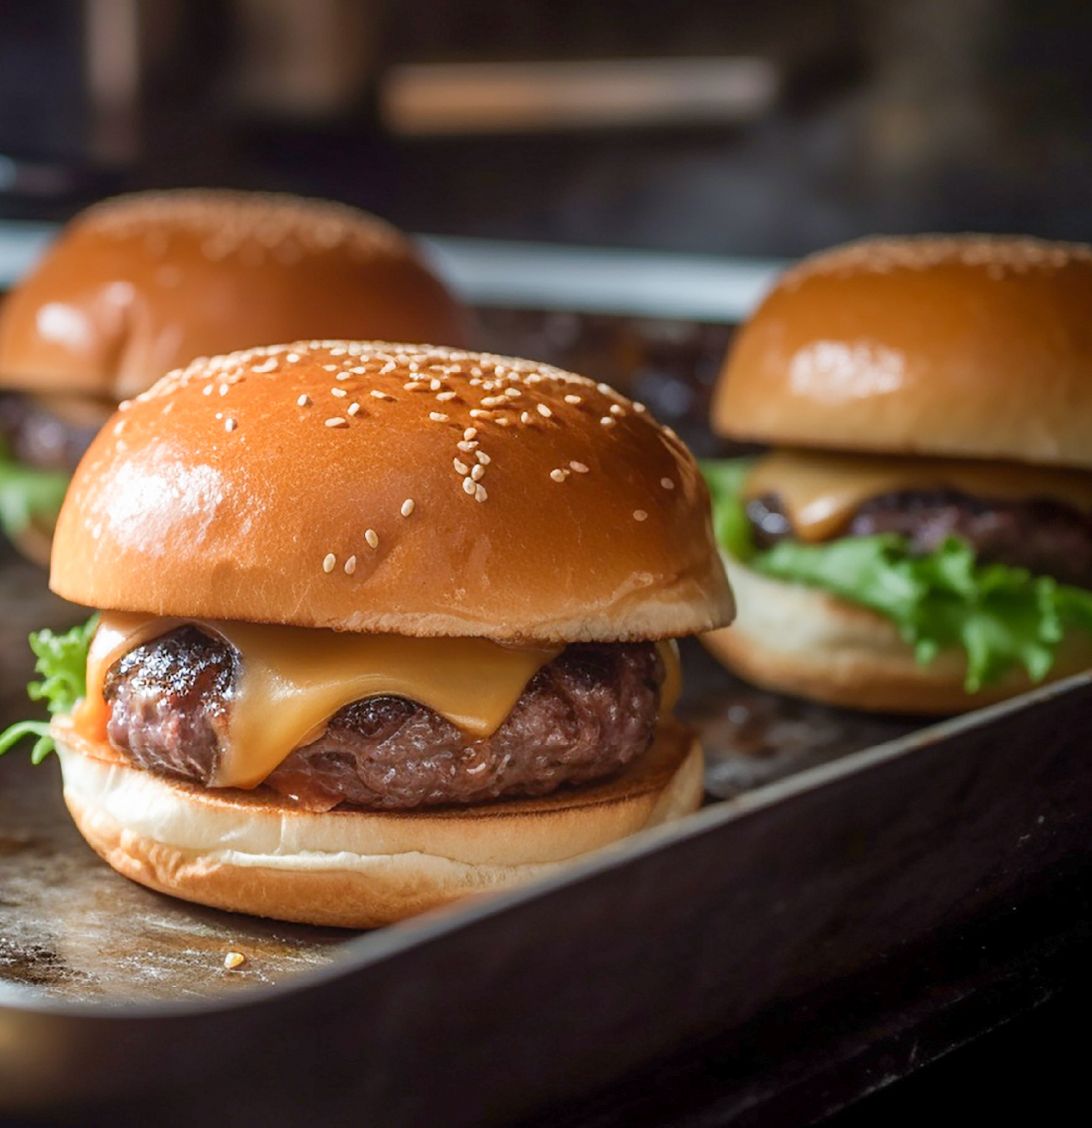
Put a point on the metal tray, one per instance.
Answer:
(812, 866)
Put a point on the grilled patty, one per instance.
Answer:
(39, 437)
(585, 715)
(1044, 537)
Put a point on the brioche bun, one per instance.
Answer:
(968, 346)
(800, 640)
(140, 284)
(519, 503)
(252, 852)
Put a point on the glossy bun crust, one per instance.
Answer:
(140, 284)
(945, 345)
(250, 852)
(798, 640)
(378, 487)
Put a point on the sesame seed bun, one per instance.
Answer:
(940, 345)
(376, 487)
(251, 852)
(140, 284)
(807, 642)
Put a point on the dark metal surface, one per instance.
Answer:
(508, 1006)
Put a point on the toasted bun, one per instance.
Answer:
(352, 868)
(806, 642)
(141, 284)
(943, 345)
(245, 488)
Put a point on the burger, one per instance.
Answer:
(143, 283)
(378, 626)
(917, 537)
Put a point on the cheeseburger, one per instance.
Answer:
(919, 536)
(378, 626)
(144, 283)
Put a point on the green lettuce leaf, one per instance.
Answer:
(62, 662)
(1001, 617)
(28, 494)
(725, 477)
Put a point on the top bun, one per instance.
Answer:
(399, 488)
(962, 345)
(140, 284)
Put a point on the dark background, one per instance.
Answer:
(866, 116)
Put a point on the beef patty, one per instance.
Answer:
(585, 715)
(1044, 537)
(39, 437)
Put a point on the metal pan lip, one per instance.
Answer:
(375, 947)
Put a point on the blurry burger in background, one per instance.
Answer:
(140, 284)
(380, 626)
(919, 536)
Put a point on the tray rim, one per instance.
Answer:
(373, 947)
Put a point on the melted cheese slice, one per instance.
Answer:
(820, 492)
(293, 679)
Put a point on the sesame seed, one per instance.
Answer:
(557, 475)
(476, 472)
(607, 420)
(513, 393)
(269, 365)
(372, 537)
(304, 401)
(468, 485)
(207, 390)
(378, 395)
(437, 416)
(329, 562)
(293, 358)
(353, 408)
(443, 397)
(639, 408)
(230, 424)
(335, 421)
(617, 409)
(479, 493)
(604, 389)
(482, 457)
(329, 367)
(460, 466)
(435, 385)
(525, 417)
(341, 393)
(667, 483)
(224, 389)
(408, 507)
(502, 421)
(350, 566)
(544, 411)
(477, 413)
(639, 515)
(573, 399)
(414, 386)
(234, 960)
(579, 467)
(470, 432)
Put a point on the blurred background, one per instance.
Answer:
(723, 136)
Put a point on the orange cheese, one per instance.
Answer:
(293, 679)
(820, 492)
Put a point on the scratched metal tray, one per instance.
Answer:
(832, 845)
(852, 882)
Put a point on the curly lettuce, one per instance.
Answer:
(1000, 617)
(61, 660)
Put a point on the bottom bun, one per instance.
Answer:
(251, 852)
(799, 640)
